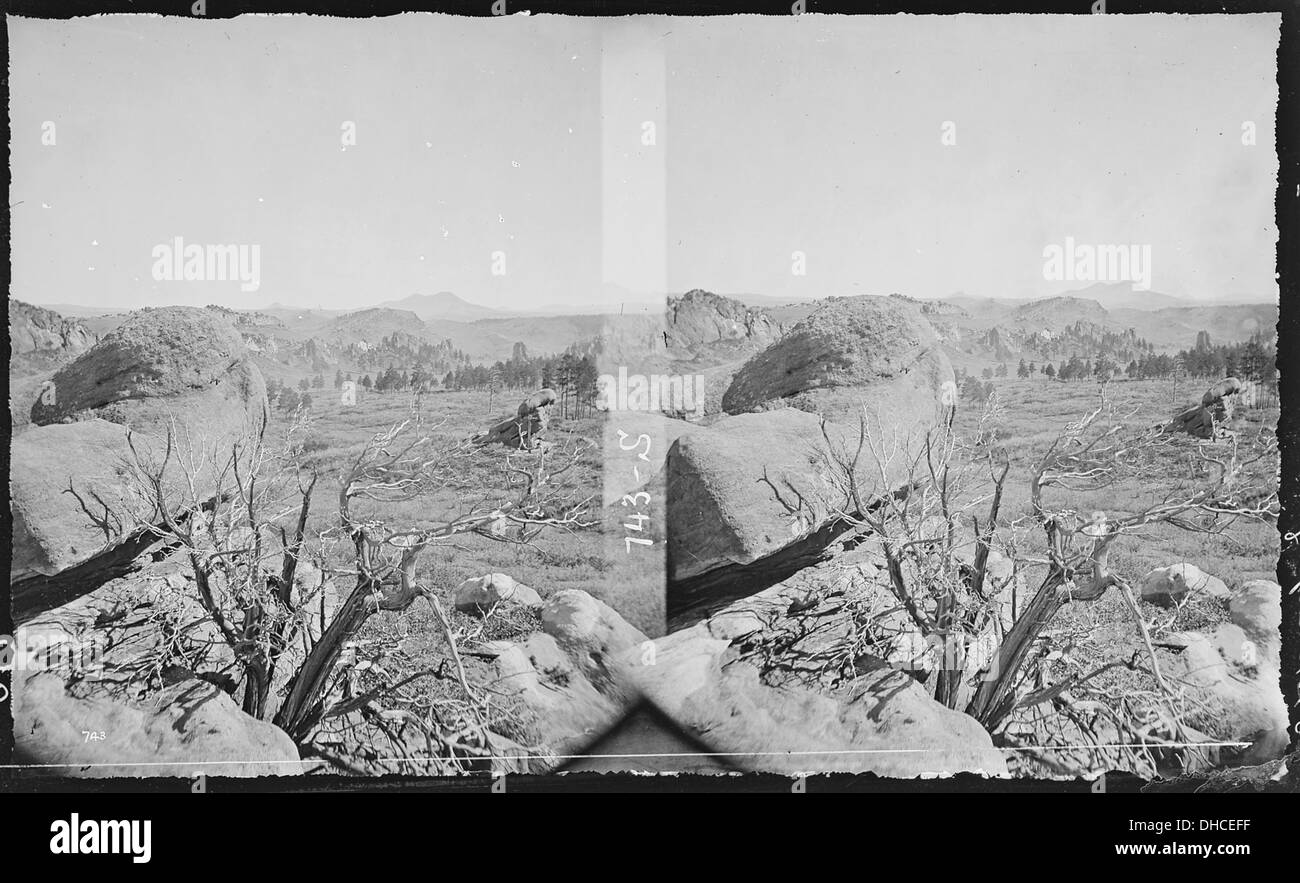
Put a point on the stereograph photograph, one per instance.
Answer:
(439, 396)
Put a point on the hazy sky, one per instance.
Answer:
(824, 136)
(641, 154)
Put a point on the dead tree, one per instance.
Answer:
(241, 517)
(1093, 454)
(939, 482)
(230, 512)
(401, 465)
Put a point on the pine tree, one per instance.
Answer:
(494, 384)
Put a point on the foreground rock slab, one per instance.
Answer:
(762, 682)
(570, 677)
(188, 728)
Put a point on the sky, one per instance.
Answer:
(526, 161)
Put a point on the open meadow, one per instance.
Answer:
(1030, 414)
(556, 559)
(1097, 646)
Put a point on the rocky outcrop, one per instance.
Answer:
(1206, 420)
(543, 398)
(1167, 586)
(875, 353)
(713, 336)
(700, 318)
(173, 373)
(162, 367)
(74, 489)
(40, 338)
(528, 425)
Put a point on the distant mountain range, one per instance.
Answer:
(975, 330)
(612, 300)
(697, 332)
(1111, 295)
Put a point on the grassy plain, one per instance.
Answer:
(555, 560)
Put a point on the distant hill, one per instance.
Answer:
(1176, 328)
(1048, 329)
(697, 332)
(79, 311)
(443, 305)
(372, 324)
(541, 334)
(1121, 296)
(1054, 313)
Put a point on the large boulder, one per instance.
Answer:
(543, 398)
(1206, 420)
(176, 373)
(1256, 607)
(1233, 693)
(570, 680)
(526, 427)
(734, 488)
(68, 495)
(175, 365)
(875, 353)
(78, 491)
(1166, 586)
(185, 729)
(590, 632)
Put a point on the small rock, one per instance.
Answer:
(481, 594)
(1166, 586)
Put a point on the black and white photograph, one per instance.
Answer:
(440, 397)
